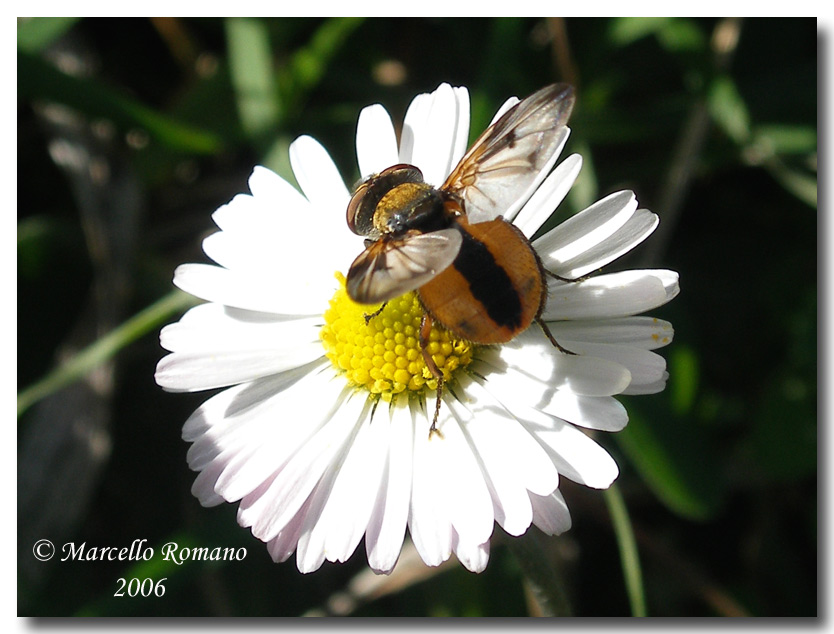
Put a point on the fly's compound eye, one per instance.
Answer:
(360, 211)
(363, 203)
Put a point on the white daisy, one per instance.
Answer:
(321, 434)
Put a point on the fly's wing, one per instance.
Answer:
(388, 269)
(511, 158)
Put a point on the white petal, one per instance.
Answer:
(214, 327)
(289, 295)
(429, 518)
(474, 557)
(645, 366)
(548, 196)
(196, 371)
(595, 236)
(429, 136)
(639, 227)
(532, 355)
(386, 527)
(575, 455)
(470, 503)
(242, 436)
(612, 295)
(648, 388)
(512, 461)
(461, 134)
(317, 174)
(589, 227)
(283, 545)
(376, 141)
(309, 554)
(550, 513)
(269, 510)
(282, 269)
(509, 103)
(512, 388)
(278, 207)
(351, 501)
(647, 333)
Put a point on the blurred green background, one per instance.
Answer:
(132, 131)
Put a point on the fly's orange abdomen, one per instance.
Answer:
(493, 290)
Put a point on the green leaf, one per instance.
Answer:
(308, 64)
(785, 139)
(800, 184)
(624, 31)
(684, 389)
(784, 438)
(35, 34)
(681, 34)
(674, 459)
(251, 67)
(673, 34)
(37, 79)
(728, 110)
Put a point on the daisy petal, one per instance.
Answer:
(550, 513)
(606, 296)
(647, 333)
(596, 236)
(317, 174)
(271, 508)
(387, 524)
(429, 521)
(213, 327)
(351, 501)
(430, 132)
(472, 516)
(282, 546)
(575, 455)
(376, 141)
(644, 366)
(474, 557)
(548, 196)
(509, 103)
(299, 296)
(532, 355)
(592, 412)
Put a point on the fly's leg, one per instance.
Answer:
(425, 331)
(566, 279)
(369, 316)
(551, 338)
(543, 325)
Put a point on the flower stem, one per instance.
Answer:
(628, 551)
(545, 580)
(102, 349)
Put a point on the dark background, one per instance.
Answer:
(132, 131)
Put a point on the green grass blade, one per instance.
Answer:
(104, 348)
(37, 79)
(35, 34)
(250, 65)
(629, 556)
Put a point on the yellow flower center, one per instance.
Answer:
(383, 354)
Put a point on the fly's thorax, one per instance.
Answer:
(409, 206)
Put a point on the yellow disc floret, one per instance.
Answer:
(383, 353)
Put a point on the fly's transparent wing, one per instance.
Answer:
(388, 269)
(509, 160)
